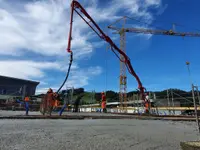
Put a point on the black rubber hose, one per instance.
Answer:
(68, 71)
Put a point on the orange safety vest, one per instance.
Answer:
(26, 99)
(49, 99)
(56, 104)
(103, 97)
(103, 105)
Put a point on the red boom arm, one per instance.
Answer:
(76, 6)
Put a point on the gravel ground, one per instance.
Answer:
(13, 113)
(94, 134)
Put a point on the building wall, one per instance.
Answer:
(12, 86)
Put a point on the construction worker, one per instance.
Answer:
(50, 100)
(26, 99)
(56, 102)
(103, 103)
(147, 103)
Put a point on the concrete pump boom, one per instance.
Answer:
(76, 6)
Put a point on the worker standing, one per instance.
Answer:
(56, 101)
(147, 103)
(26, 99)
(103, 102)
(50, 100)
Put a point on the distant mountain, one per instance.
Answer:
(111, 96)
(179, 96)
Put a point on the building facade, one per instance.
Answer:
(17, 87)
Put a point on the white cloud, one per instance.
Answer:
(138, 8)
(41, 27)
(154, 3)
(43, 83)
(44, 90)
(77, 78)
(27, 69)
(80, 78)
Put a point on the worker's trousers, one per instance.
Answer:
(27, 107)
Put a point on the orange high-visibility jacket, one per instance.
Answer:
(49, 99)
(103, 97)
(57, 103)
(27, 99)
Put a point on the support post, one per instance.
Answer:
(193, 96)
(72, 93)
(198, 94)
(23, 94)
(138, 107)
(173, 102)
(195, 108)
(168, 102)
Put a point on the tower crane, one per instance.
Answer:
(156, 32)
(122, 31)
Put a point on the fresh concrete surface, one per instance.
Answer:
(94, 134)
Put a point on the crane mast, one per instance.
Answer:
(123, 77)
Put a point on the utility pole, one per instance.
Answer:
(168, 101)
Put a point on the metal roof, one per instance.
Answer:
(2, 97)
(13, 78)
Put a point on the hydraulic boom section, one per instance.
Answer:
(76, 6)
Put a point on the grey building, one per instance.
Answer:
(15, 86)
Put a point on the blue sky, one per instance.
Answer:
(35, 36)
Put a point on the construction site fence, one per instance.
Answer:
(131, 110)
(140, 110)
